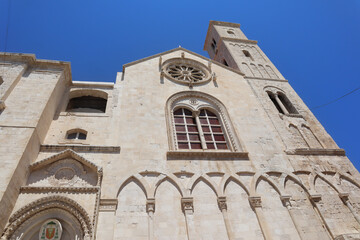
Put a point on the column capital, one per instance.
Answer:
(187, 204)
(150, 205)
(344, 196)
(285, 199)
(222, 203)
(255, 201)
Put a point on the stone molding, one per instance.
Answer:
(206, 155)
(80, 148)
(108, 205)
(48, 203)
(30, 189)
(316, 151)
(316, 197)
(66, 154)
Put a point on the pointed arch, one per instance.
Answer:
(235, 179)
(202, 101)
(48, 203)
(173, 180)
(207, 180)
(137, 179)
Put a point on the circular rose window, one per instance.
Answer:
(186, 71)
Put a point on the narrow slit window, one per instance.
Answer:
(225, 63)
(248, 55)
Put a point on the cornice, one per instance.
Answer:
(31, 189)
(206, 155)
(31, 61)
(80, 148)
(316, 151)
(239, 40)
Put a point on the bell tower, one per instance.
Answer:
(227, 44)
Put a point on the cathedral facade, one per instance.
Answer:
(180, 147)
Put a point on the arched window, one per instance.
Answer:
(230, 31)
(248, 55)
(280, 101)
(76, 134)
(225, 62)
(199, 121)
(90, 101)
(198, 130)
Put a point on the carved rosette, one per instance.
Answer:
(186, 71)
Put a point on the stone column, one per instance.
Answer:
(201, 133)
(315, 198)
(106, 219)
(223, 208)
(187, 204)
(345, 198)
(286, 202)
(255, 202)
(150, 209)
(281, 104)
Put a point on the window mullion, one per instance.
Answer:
(281, 104)
(201, 133)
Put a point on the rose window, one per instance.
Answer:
(186, 71)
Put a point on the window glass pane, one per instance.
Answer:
(210, 145)
(195, 145)
(71, 136)
(216, 129)
(203, 121)
(210, 113)
(180, 128)
(214, 121)
(208, 137)
(221, 145)
(219, 138)
(194, 137)
(187, 112)
(178, 112)
(82, 136)
(205, 129)
(183, 146)
(190, 120)
(202, 113)
(192, 128)
(179, 120)
(181, 136)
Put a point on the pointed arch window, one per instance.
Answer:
(281, 102)
(197, 121)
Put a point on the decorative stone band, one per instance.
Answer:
(30, 189)
(206, 155)
(316, 151)
(187, 204)
(222, 203)
(108, 205)
(255, 201)
(150, 205)
(80, 148)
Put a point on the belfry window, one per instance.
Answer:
(198, 130)
(282, 103)
(213, 45)
(248, 55)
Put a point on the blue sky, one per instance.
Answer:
(314, 43)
